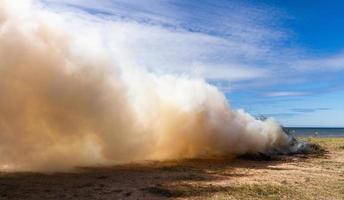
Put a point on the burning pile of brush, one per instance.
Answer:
(294, 146)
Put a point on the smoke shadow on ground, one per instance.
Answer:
(149, 180)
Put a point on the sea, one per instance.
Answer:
(316, 132)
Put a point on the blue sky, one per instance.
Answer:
(279, 58)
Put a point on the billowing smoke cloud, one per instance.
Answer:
(69, 98)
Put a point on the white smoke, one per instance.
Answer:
(73, 95)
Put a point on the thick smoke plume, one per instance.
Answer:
(68, 100)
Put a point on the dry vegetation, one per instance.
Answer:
(318, 176)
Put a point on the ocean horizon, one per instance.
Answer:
(316, 131)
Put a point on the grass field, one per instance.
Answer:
(286, 177)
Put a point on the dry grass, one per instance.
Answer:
(244, 191)
(288, 177)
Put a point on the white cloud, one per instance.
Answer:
(285, 94)
(235, 42)
(161, 37)
(233, 72)
(334, 63)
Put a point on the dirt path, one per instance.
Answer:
(285, 178)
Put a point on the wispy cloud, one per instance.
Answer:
(332, 63)
(293, 112)
(234, 42)
(285, 94)
(212, 39)
(278, 115)
(309, 110)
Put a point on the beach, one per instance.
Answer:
(283, 177)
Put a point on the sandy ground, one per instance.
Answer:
(300, 177)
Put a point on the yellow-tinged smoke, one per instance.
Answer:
(66, 101)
